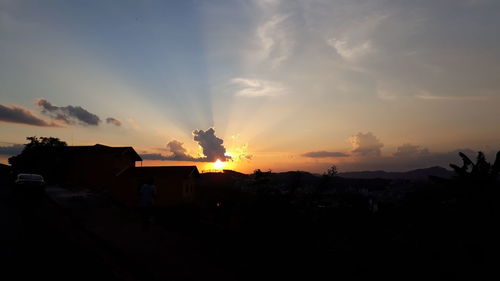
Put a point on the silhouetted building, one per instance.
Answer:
(97, 166)
(175, 185)
(93, 167)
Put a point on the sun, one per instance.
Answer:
(218, 165)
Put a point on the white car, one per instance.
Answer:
(30, 185)
(29, 179)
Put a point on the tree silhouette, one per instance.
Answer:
(332, 172)
(39, 156)
(328, 177)
(36, 143)
(477, 191)
(480, 173)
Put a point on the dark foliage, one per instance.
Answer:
(310, 225)
(40, 156)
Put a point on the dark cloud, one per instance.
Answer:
(177, 149)
(324, 154)
(68, 114)
(114, 121)
(366, 144)
(211, 145)
(179, 153)
(154, 156)
(20, 115)
(11, 150)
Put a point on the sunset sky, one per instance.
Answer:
(281, 85)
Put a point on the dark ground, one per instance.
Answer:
(38, 241)
(418, 242)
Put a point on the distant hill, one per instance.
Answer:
(419, 174)
(293, 177)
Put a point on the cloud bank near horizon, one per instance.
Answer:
(212, 147)
(11, 150)
(366, 154)
(324, 154)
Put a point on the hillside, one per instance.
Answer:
(418, 174)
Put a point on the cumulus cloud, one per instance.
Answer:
(258, 88)
(366, 144)
(20, 115)
(113, 121)
(324, 154)
(176, 147)
(11, 149)
(68, 114)
(211, 145)
(177, 153)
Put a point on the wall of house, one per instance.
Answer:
(97, 171)
(126, 190)
(171, 191)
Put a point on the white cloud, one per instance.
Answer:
(427, 96)
(353, 40)
(266, 3)
(350, 51)
(275, 42)
(258, 88)
(366, 144)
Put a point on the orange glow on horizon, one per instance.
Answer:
(202, 166)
